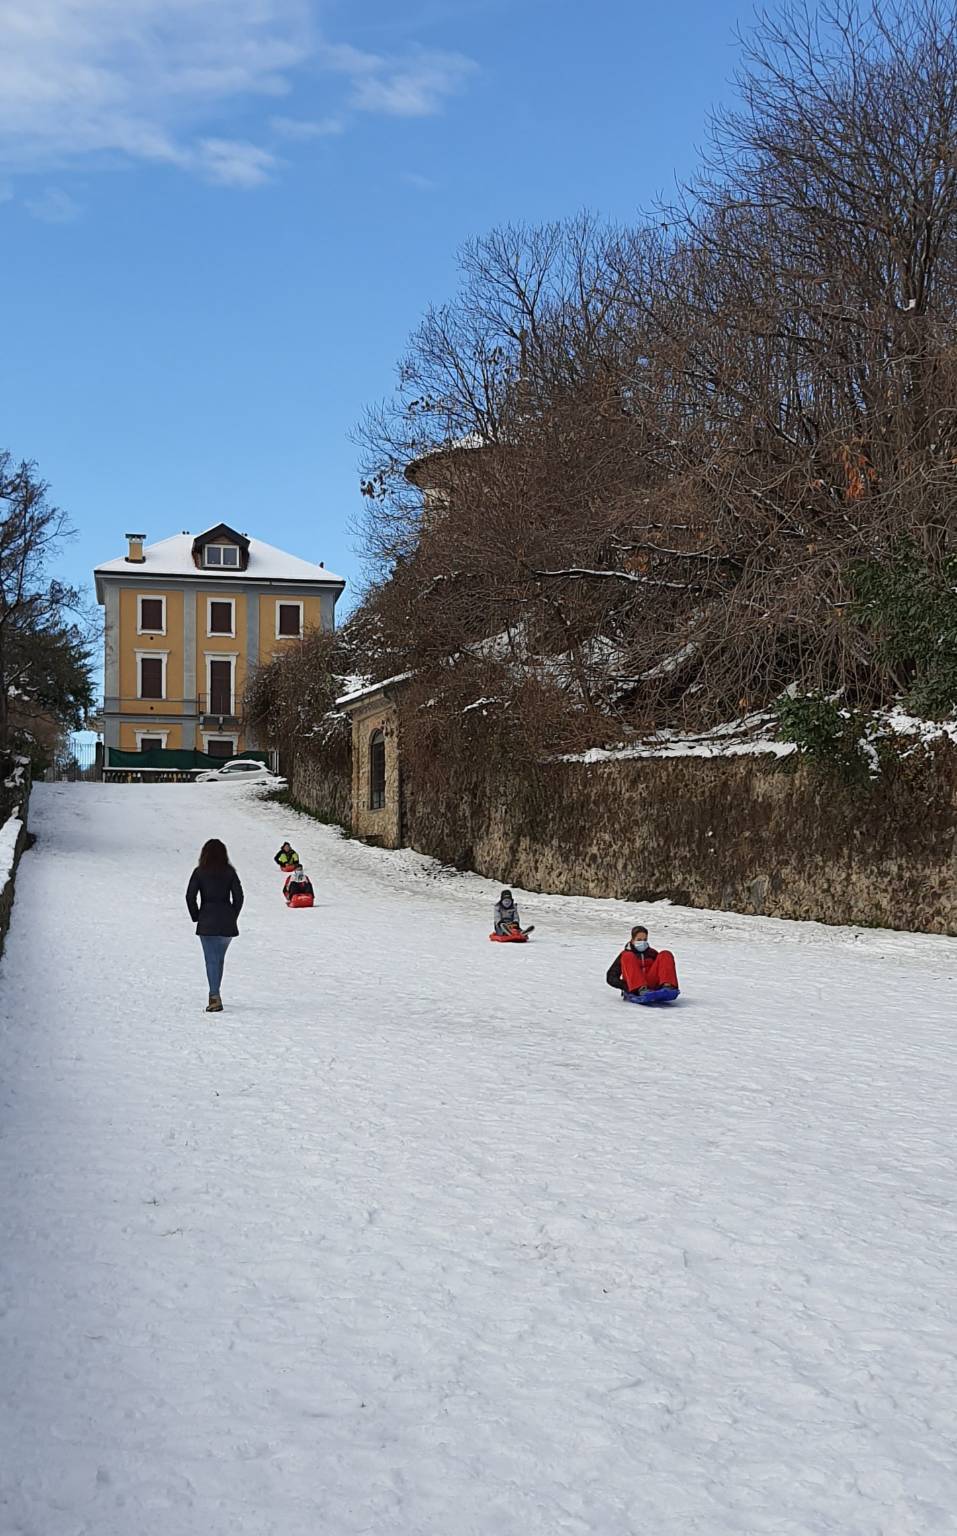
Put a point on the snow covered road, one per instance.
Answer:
(426, 1236)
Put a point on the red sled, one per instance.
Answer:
(300, 901)
(509, 938)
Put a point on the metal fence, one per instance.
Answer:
(77, 763)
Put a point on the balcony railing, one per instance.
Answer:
(120, 706)
(219, 710)
(216, 709)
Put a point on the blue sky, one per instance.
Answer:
(221, 219)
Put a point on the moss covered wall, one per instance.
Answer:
(745, 834)
(323, 788)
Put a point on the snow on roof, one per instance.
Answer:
(174, 557)
(465, 444)
(366, 689)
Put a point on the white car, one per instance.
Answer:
(241, 770)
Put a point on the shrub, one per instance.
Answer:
(840, 741)
(911, 610)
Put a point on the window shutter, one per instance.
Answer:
(289, 619)
(151, 677)
(151, 613)
(220, 618)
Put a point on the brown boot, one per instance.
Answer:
(215, 1004)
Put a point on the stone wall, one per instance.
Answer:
(325, 789)
(746, 834)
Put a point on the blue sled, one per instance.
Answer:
(651, 999)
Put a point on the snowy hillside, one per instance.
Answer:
(426, 1236)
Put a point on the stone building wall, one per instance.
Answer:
(382, 826)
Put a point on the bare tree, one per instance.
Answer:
(645, 462)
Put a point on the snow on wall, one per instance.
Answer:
(14, 799)
(12, 841)
(10, 834)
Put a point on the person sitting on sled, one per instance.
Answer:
(639, 969)
(506, 916)
(287, 857)
(297, 883)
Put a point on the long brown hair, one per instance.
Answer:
(214, 855)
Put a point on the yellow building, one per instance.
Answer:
(186, 621)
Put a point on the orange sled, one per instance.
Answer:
(509, 938)
(300, 901)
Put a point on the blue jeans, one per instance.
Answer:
(214, 953)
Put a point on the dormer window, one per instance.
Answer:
(221, 549)
(222, 556)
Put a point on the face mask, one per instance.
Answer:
(639, 945)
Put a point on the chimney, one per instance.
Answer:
(136, 555)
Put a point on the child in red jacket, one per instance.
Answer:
(640, 969)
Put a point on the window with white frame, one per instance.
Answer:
(221, 557)
(220, 684)
(150, 614)
(151, 674)
(221, 616)
(220, 746)
(288, 621)
(151, 741)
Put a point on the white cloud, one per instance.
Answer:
(418, 181)
(163, 81)
(305, 128)
(416, 86)
(233, 163)
(138, 78)
(54, 207)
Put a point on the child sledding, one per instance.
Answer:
(297, 888)
(642, 974)
(287, 858)
(507, 927)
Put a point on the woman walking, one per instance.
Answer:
(214, 897)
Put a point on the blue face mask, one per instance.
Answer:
(639, 945)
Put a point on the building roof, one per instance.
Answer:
(174, 557)
(362, 689)
(443, 452)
